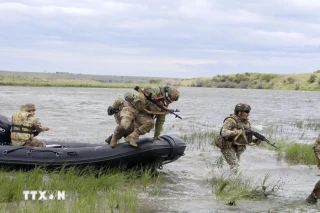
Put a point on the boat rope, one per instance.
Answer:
(30, 151)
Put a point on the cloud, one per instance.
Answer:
(178, 38)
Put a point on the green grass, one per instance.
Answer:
(291, 151)
(296, 153)
(232, 188)
(200, 138)
(257, 81)
(87, 190)
(240, 80)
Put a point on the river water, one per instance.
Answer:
(80, 114)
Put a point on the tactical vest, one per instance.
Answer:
(141, 103)
(242, 139)
(22, 126)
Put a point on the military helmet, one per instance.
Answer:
(241, 107)
(171, 94)
(28, 107)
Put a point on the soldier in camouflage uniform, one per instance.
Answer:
(235, 138)
(315, 194)
(25, 127)
(138, 116)
(316, 149)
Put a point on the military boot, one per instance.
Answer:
(113, 142)
(117, 135)
(131, 139)
(108, 139)
(311, 199)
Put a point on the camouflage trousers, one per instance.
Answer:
(232, 154)
(316, 149)
(315, 194)
(132, 124)
(31, 142)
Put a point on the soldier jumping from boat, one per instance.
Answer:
(138, 114)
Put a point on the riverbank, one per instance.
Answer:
(304, 81)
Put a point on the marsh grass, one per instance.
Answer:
(296, 153)
(232, 188)
(201, 139)
(87, 190)
(292, 152)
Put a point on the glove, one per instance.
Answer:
(112, 110)
(155, 138)
(257, 141)
(237, 131)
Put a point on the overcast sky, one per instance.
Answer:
(164, 38)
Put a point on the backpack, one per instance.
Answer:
(5, 134)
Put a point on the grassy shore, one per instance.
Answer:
(85, 190)
(304, 81)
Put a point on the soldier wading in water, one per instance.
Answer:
(233, 139)
(315, 194)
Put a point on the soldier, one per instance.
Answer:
(25, 127)
(137, 114)
(235, 138)
(316, 149)
(115, 110)
(315, 194)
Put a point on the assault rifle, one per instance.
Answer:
(259, 136)
(149, 97)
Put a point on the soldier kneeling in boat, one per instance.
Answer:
(25, 127)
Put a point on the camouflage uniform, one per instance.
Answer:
(137, 114)
(25, 126)
(316, 149)
(234, 144)
(315, 194)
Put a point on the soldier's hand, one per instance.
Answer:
(257, 141)
(237, 131)
(171, 110)
(46, 128)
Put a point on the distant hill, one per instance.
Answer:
(66, 75)
(304, 81)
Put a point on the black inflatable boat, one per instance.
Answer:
(58, 154)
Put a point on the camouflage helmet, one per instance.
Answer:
(28, 107)
(241, 107)
(171, 94)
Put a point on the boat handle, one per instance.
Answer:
(72, 153)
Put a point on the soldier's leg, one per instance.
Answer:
(239, 150)
(35, 143)
(125, 134)
(127, 117)
(315, 194)
(229, 154)
(18, 142)
(316, 150)
(143, 124)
